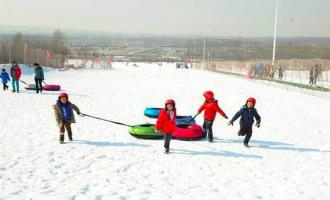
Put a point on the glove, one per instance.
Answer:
(81, 115)
(258, 125)
(230, 123)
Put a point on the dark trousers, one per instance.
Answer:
(38, 84)
(167, 140)
(207, 129)
(5, 86)
(66, 126)
(247, 132)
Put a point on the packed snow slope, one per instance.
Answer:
(289, 157)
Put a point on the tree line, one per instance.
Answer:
(27, 49)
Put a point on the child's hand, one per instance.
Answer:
(156, 130)
(230, 123)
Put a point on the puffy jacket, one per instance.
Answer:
(247, 116)
(165, 123)
(211, 108)
(59, 113)
(39, 73)
(15, 72)
(4, 77)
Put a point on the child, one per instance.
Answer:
(64, 115)
(210, 108)
(166, 122)
(247, 114)
(5, 78)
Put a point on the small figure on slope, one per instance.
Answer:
(64, 115)
(4, 78)
(210, 108)
(166, 122)
(247, 114)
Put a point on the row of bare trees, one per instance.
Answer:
(44, 49)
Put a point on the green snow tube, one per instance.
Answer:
(145, 131)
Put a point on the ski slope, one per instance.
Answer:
(289, 157)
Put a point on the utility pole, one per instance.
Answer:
(275, 33)
(9, 53)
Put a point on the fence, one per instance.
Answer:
(311, 74)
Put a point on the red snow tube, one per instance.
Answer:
(188, 132)
(51, 87)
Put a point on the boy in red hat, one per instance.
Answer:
(247, 114)
(64, 115)
(166, 122)
(210, 108)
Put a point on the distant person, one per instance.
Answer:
(38, 77)
(280, 72)
(210, 108)
(247, 114)
(271, 72)
(311, 75)
(64, 115)
(4, 78)
(316, 74)
(166, 123)
(15, 73)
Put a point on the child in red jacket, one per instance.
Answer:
(166, 122)
(210, 108)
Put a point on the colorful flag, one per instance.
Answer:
(84, 59)
(96, 59)
(111, 59)
(48, 54)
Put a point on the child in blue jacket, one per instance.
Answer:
(247, 114)
(4, 78)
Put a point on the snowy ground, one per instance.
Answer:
(290, 157)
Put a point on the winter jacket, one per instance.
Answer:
(58, 109)
(247, 116)
(15, 72)
(211, 108)
(39, 73)
(165, 123)
(4, 77)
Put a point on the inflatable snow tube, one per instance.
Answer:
(51, 87)
(145, 131)
(185, 120)
(31, 87)
(188, 132)
(152, 112)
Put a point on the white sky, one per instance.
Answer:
(192, 17)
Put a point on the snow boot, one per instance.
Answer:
(70, 136)
(167, 150)
(246, 145)
(61, 139)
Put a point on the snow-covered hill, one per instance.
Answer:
(289, 158)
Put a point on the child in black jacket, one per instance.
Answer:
(247, 114)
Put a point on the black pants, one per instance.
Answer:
(5, 86)
(207, 129)
(167, 140)
(247, 132)
(38, 84)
